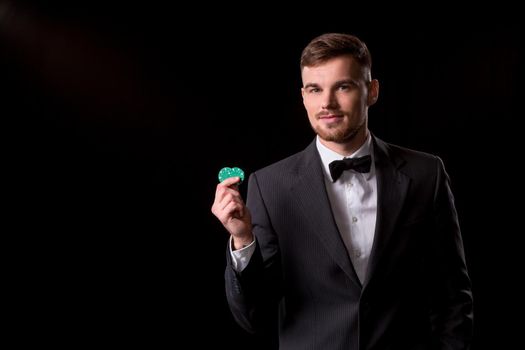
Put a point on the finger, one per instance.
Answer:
(222, 191)
(229, 197)
(233, 210)
(231, 181)
(227, 213)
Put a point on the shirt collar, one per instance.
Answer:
(328, 156)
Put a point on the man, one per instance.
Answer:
(361, 253)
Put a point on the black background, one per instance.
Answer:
(117, 119)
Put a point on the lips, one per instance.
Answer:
(330, 117)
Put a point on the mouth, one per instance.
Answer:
(329, 118)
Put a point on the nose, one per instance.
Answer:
(329, 101)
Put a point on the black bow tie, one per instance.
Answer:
(361, 164)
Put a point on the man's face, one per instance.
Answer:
(336, 95)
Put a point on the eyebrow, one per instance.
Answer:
(337, 83)
(310, 85)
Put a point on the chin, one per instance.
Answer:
(336, 135)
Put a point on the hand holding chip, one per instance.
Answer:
(230, 209)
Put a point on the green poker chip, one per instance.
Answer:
(226, 173)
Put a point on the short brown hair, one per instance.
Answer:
(330, 45)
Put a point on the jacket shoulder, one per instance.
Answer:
(413, 162)
(291, 164)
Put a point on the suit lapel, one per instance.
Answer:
(392, 186)
(310, 192)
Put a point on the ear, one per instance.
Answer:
(373, 92)
(302, 92)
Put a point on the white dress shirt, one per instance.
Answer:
(353, 198)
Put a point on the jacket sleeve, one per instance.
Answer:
(451, 299)
(253, 294)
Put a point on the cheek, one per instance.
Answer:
(351, 104)
(309, 106)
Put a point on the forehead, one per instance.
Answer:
(341, 67)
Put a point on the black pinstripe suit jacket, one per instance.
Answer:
(417, 292)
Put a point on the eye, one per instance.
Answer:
(345, 87)
(313, 90)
